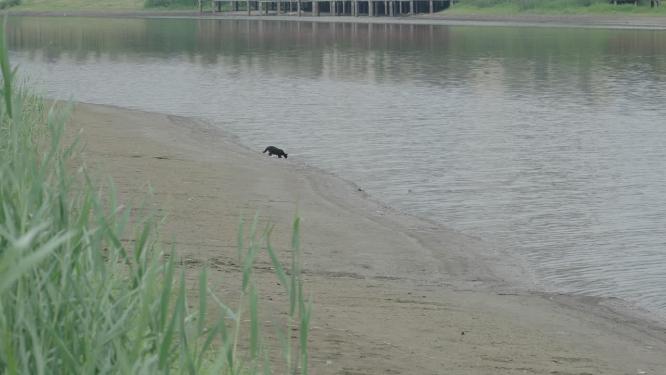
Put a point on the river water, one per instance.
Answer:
(548, 142)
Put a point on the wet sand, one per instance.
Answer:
(393, 294)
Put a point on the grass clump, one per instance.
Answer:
(106, 5)
(81, 5)
(177, 4)
(84, 288)
(9, 3)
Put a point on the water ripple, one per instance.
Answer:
(550, 142)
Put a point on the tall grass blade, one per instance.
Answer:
(254, 324)
(306, 309)
(279, 270)
(203, 287)
(167, 283)
(12, 274)
(7, 75)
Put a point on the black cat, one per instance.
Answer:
(272, 150)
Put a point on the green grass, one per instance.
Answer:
(85, 288)
(107, 5)
(566, 7)
(70, 5)
(173, 4)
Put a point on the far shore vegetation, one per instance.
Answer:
(103, 5)
(564, 7)
(486, 7)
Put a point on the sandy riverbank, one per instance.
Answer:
(623, 21)
(393, 294)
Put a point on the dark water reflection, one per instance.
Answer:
(550, 142)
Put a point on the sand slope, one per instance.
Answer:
(393, 294)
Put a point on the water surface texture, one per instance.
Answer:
(548, 142)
